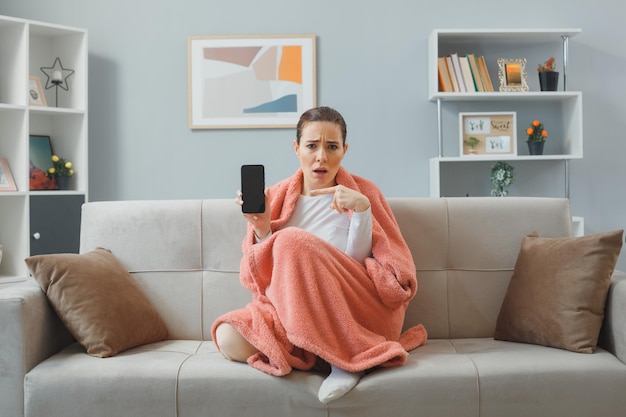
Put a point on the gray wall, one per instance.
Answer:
(371, 66)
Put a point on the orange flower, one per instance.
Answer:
(536, 132)
(547, 66)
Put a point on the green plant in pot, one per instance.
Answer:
(61, 172)
(472, 142)
(536, 137)
(548, 75)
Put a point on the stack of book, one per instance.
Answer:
(463, 74)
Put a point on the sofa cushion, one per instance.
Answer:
(557, 294)
(98, 301)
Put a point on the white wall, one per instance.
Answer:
(371, 66)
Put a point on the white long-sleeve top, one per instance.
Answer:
(349, 233)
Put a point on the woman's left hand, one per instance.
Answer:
(345, 199)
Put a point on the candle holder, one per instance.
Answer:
(57, 77)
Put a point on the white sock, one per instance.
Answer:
(338, 384)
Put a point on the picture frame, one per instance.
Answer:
(496, 134)
(40, 156)
(250, 81)
(36, 97)
(7, 183)
(513, 75)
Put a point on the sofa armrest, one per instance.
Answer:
(30, 332)
(613, 335)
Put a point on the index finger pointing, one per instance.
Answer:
(329, 190)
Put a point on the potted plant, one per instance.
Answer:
(472, 142)
(536, 137)
(61, 172)
(502, 175)
(548, 75)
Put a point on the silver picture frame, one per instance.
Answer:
(512, 74)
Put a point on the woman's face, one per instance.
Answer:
(320, 151)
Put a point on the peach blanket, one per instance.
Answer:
(311, 300)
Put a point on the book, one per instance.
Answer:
(478, 81)
(456, 63)
(467, 75)
(484, 74)
(455, 83)
(445, 83)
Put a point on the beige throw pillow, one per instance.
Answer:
(558, 290)
(98, 301)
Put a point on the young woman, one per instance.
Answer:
(330, 273)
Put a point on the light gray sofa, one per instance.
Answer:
(185, 257)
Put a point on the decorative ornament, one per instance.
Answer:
(57, 77)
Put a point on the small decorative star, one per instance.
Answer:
(65, 74)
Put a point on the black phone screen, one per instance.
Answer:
(253, 188)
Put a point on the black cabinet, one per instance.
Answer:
(55, 223)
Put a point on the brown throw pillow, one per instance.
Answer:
(98, 301)
(558, 291)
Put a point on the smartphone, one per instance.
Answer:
(253, 188)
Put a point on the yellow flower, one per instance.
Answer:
(60, 168)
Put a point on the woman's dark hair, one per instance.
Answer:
(321, 114)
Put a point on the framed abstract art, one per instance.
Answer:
(250, 81)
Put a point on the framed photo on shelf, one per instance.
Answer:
(250, 81)
(36, 96)
(488, 134)
(512, 74)
(6, 179)
(40, 152)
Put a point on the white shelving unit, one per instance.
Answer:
(25, 47)
(561, 111)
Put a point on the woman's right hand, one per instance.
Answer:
(260, 221)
